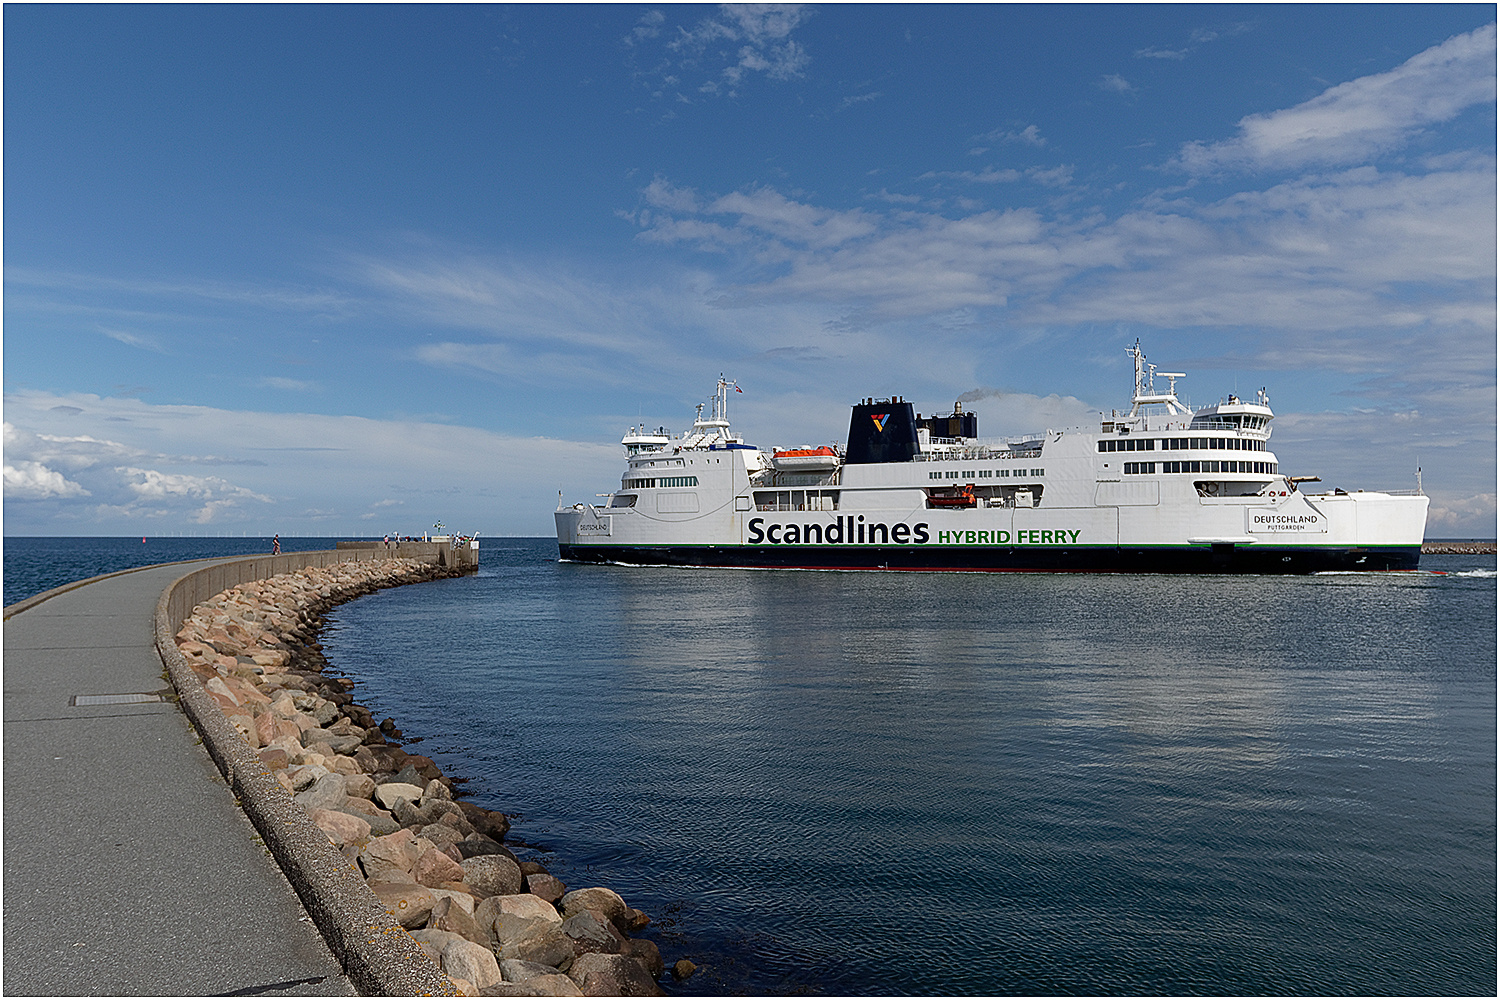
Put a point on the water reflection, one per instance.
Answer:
(1034, 783)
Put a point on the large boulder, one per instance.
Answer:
(493, 875)
(493, 824)
(528, 907)
(463, 899)
(426, 811)
(553, 984)
(409, 903)
(606, 901)
(513, 923)
(448, 915)
(434, 868)
(303, 775)
(339, 742)
(600, 975)
(545, 887)
(541, 942)
(357, 784)
(381, 823)
(391, 792)
(647, 953)
(393, 856)
(442, 835)
(516, 971)
(327, 792)
(439, 939)
(465, 959)
(341, 827)
(590, 931)
(476, 844)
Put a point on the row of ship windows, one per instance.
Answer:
(1182, 444)
(970, 475)
(1149, 468)
(651, 484)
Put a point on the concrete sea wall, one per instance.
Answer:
(377, 954)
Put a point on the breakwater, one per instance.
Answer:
(1458, 548)
(406, 882)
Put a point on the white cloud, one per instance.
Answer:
(34, 481)
(289, 384)
(269, 297)
(133, 339)
(738, 41)
(1358, 119)
(1475, 514)
(1360, 249)
(989, 175)
(156, 489)
(1115, 83)
(295, 473)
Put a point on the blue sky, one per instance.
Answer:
(348, 269)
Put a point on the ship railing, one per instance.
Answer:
(782, 508)
(978, 454)
(1209, 424)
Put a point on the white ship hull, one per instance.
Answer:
(1063, 501)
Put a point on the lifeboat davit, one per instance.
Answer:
(823, 459)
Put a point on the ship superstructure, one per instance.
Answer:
(1160, 488)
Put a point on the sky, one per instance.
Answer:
(350, 270)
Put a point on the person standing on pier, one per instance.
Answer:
(276, 545)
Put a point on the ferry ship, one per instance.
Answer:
(1160, 489)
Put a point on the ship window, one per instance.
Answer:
(638, 484)
(1002, 473)
(622, 500)
(969, 474)
(1104, 446)
(680, 481)
(1038, 472)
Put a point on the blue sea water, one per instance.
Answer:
(865, 783)
(37, 564)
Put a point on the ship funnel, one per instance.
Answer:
(881, 432)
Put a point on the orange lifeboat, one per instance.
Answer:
(963, 496)
(823, 459)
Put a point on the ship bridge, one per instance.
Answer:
(1235, 415)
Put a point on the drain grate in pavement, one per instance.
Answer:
(113, 699)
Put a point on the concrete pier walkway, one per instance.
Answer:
(128, 867)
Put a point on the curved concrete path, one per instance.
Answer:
(128, 867)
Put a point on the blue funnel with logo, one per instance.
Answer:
(882, 431)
